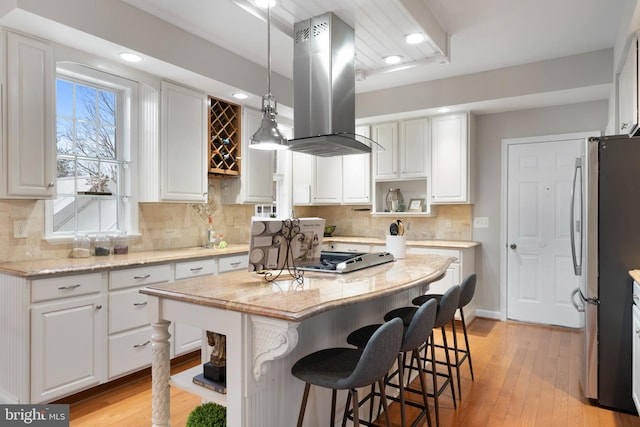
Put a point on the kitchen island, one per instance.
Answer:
(268, 326)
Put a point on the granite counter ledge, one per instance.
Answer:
(55, 266)
(444, 244)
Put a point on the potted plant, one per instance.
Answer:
(208, 415)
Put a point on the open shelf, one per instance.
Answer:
(184, 381)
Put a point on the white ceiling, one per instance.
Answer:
(483, 35)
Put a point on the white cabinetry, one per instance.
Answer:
(356, 175)
(67, 335)
(385, 161)
(316, 180)
(255, 183)
(129, 330)
(635, 368)
(451, 159)
(183, 144)
(29, 153)
(628, 91)
(457, 270)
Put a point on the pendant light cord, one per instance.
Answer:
(269, 51)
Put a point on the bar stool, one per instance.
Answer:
(447, 306)
(351, 368)
(467, 289)
(415, 335)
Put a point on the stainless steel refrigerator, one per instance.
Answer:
(605, 240)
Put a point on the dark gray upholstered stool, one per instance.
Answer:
(415, 335)
(467, 289)
(447, 306)
(351, 368)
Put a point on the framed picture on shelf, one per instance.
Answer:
(415, 205)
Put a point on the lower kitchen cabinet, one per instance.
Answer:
(68, 349)
(457, 270)
(635, 368)
(65, 333)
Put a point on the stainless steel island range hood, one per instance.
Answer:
(324, 89)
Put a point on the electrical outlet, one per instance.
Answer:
(19, 229)
(481, 222)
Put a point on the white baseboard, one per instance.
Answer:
(488, 314)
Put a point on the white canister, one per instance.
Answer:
(397, 246)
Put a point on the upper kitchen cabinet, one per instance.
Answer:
(255, 183)
(451, 159)
(356, 174)
(183, 144)
(628, 91)
(339, 180)
(224, 137)
(29, 150)
(405, 156)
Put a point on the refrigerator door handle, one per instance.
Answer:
(577, 264)
(579, 308)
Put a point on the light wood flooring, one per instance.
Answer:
(525, 375)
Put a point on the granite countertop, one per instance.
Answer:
(443, 244)
(46, 267)
(635, 275)
(286, 299)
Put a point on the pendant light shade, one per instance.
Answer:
(268, 137)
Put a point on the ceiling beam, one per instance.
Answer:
(423, 16)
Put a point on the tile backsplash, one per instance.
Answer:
(179, 225)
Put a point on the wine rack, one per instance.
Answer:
(224, 138)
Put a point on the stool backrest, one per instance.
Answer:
(448, 306)
(467, 289)
(420, 327)
(377, 357)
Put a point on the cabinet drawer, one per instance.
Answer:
(65, 286)
(129, 351)
(350, 247)
(230, 263)
(201, 267)
(139, 276)
(127, 310)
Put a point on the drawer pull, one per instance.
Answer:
(146, 276)
(139, 304)
(638, 331)
(196, 269)
(144, 344)
(99, 307)
(66, 288)
(235, 264)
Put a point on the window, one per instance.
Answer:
(93, 127)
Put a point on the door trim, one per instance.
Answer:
(503, 199)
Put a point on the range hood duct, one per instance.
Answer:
(324, 93)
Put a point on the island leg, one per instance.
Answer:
(160, 372)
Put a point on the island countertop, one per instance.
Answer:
(285, 299)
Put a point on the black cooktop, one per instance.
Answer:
(345, 262)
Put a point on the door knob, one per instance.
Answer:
(513, 246)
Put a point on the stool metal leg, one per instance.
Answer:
(423, 387)
(355, 400)
(303, 405)
(401, 386)
(457, 357)
(383, 397)
(466, 343)
(446, 353)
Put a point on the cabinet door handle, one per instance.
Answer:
(196, 269)
(624, 126)
(139, 304)
(64, 288)
(144, 344)
(146, 276)
(50, 185)
(99, 307)
(235, 264)
(638, 331)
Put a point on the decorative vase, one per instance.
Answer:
(393, 199)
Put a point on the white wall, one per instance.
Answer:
(491, 129)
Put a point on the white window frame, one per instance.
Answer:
(126, 132)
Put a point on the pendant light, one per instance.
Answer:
(268, 137)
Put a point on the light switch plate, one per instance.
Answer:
(481, 222)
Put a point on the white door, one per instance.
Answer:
(540, 274)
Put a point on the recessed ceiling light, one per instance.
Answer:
(265, 3)
(415, 38)
(444, 109)
(393, 59)
(130, 57)
(239, 95)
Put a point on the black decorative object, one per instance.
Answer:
(290, 231)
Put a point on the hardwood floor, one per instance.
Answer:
(525, 375)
